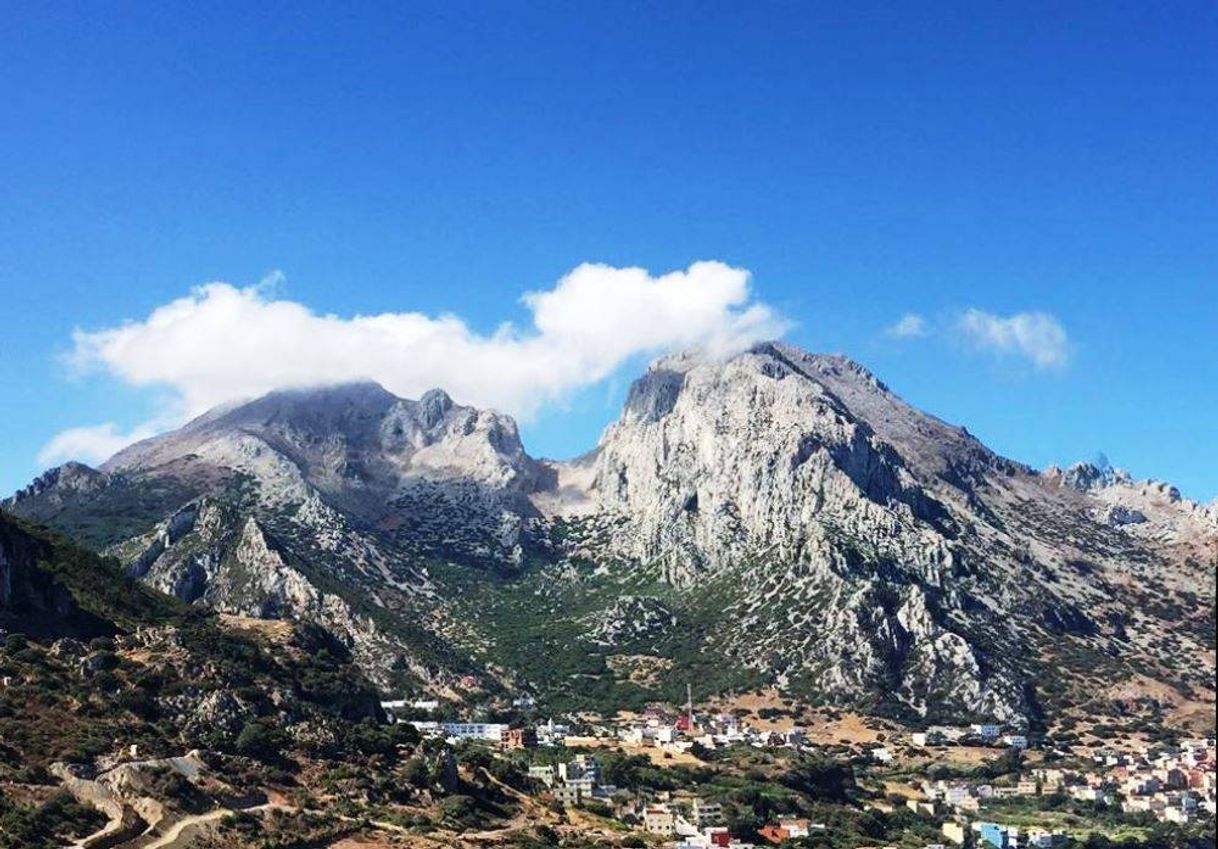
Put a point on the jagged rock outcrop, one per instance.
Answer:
(750, 455)
(756, 468)
(57, 486)
(320, 506)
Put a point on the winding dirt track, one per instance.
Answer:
(171, 837)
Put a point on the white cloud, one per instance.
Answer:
(911, 326)
(1036, 336)
(90, 444)
(222, 343)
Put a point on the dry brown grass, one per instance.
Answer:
(643, 669)
(274, 631)
(657, 756)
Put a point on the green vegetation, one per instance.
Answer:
(284, 830)
(114, 513)
(102, 598)
(537, 621)
(51, 824)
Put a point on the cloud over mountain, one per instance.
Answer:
(222, 342)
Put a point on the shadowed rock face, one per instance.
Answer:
(845, 544)
(32, 600)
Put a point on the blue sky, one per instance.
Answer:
(863, 162)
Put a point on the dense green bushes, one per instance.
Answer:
(48, 824)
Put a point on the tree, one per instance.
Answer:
(459, 810)
(259, 741)
(403, 733)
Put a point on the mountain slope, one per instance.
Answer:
(140, 666)
(320, 506)
(51, 589)
(873, 548)
(778, 518)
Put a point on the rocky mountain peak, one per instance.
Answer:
(71, 477)
(346, 412)
(713, 460)
(1088, 477)
(336, 438)
(434, 406)
(654, 395)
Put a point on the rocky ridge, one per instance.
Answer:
(844, 545)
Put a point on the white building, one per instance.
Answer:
(462, 730)
(544, 774)
(551, 733)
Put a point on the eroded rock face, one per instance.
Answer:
(755, 469)
(217, 555)
(747, 456)
(1147, 509)
(350, 442)
(867, 547)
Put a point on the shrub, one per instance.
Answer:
(415, 772)
(460, 810)
(260, 741)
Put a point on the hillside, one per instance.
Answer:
(131, 720)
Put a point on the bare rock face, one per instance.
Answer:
(754, 468)
(715, 462)
(870, 548)
(347, 440)
(218, 554)
(304, 504)
(430, 473)
(1149, 510)
(210, 552)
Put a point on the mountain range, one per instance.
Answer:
(776, 519)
